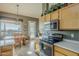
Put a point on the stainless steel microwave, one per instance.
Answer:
(54, 24)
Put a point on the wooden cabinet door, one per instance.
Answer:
(42, 18)
(54, 15)
(58, 54)
(78, 21)
(77, 15)
(69, 18)
(63, 52)
(47, 17)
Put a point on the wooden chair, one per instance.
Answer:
(18, 39)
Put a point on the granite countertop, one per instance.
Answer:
(69, 44)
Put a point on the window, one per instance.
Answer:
(2, 26)
(32, 29)
(7, 28)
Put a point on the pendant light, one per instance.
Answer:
(17, 19)
(17, 13)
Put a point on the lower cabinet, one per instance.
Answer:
(58, 51)
(58, 54)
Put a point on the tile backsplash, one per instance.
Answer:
(71, 35)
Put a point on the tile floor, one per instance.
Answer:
(27, 50)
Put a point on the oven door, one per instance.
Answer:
(47, 50)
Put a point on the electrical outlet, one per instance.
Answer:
(72, 35)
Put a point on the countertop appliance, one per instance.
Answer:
(53, 25)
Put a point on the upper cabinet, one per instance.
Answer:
(54, 15)
(42, 18)
(47, 17)
(77, 14)
(69, 17)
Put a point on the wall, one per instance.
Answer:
(67, 34)
(24, 18)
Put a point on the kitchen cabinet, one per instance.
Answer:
(69, 17)
(47, 17)
(59, 51)
(58, 54)
(77, 14)
(42, 18)
(54, 15)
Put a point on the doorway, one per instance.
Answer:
(32, 29)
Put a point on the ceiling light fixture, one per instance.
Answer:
(17, 12)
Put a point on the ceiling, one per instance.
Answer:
(25, 9)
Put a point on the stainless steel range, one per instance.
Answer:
(49, 38)
(53, 39)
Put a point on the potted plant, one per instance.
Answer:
(59, 5)
(45, 12)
